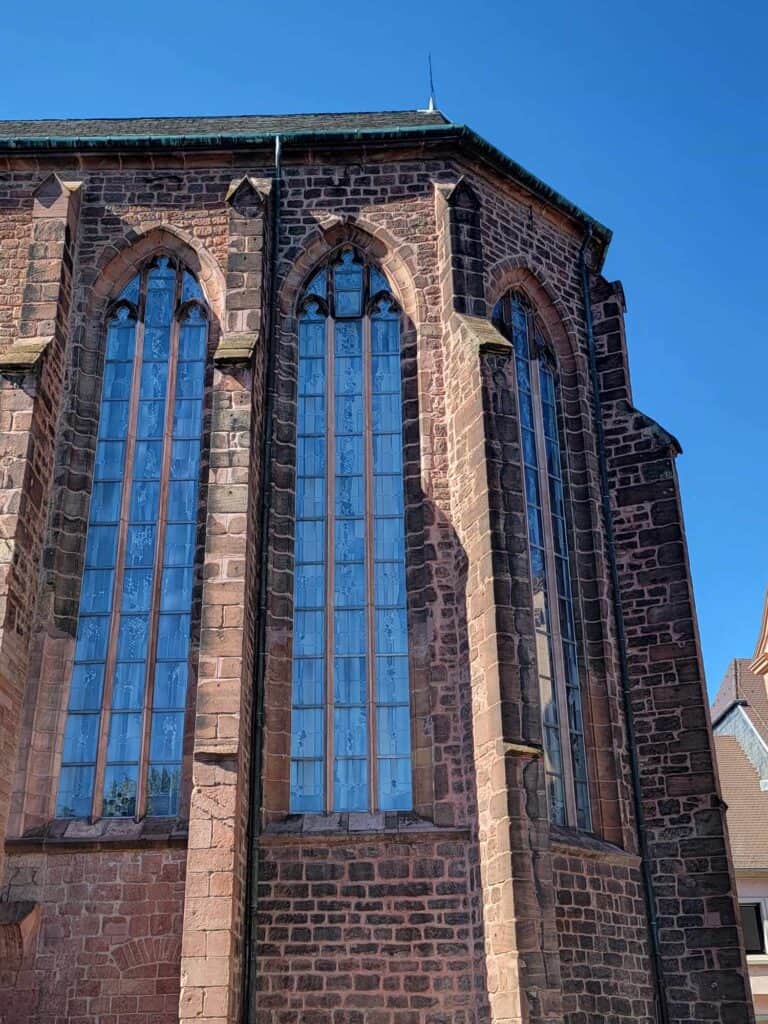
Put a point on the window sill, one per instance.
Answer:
(395, 825)
(107, 833)
(587, 844)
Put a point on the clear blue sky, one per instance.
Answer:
(651, 116)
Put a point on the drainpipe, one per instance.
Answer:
(252, 860)
(657, 967)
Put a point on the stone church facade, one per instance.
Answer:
(349, 666)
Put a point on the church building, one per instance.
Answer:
(349, 664)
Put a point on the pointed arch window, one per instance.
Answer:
(350, 728)
(122, 748)
(553, 607)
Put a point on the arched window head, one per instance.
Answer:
(123, 741)
(350, 729)
(553, 610)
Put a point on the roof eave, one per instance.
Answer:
(473, 143)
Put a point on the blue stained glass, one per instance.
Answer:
(349, 455)
(387, 494)
(140, 546)
(391, 679)
(348, 375)
(124, 737)
(349, 584)
(133, 637)
(167, 736)
(114, 420)
(379, 283)
(157, 344)
(121, 339)
(148, 460)
(529, 447)
(190, 378)
(348, 338)
(307, 732)
(389, 584)
(187, 417)
(391, 631)
(349, 681)
(311, 338)
(105, 501)
(386, 413)
(131, 291)
(308, 633)
(311, 376)
(310, 541)
(185, 460)
(117, 381)
(92, 634)
(532, 487)
(87, 688)
(190, 289)
(163, 787)
(347, 303)
(96, 593)
(387, 453)
(101, 546)
(393, 731)
(173, 637)
(180, 544)
(182, 501)
(349, 415)
(310, 456)
(350, 540)
(385, 335)
(312, 415)
(306, 786)
(176, 589)
(128, 685)
(318, 284)
(75, 792)
(308, 682)
(350, 784)
(395, 784)
(388, 538)
(349, 496)
(154, 380)
(170, 684)
(137, 590)
(350, 731)
(151, 422)
(145, 501)
(120, 783)
(81, 738)
(310, 586)
(386, 374)
(193, 340)
(110, 456)
(310, 497)
(349, 631)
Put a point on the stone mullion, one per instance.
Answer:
(214, 910)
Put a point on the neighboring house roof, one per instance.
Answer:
(747, 805)
(741, 685)
(384, 128)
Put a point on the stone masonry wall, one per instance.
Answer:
(110, 937)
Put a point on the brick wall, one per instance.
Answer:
(109, 947)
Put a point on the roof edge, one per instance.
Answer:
(432, 132)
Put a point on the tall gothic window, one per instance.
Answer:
(123, 740)
(553, 610)
(350, 729)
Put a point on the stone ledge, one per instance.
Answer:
(218, 749)
(104, 834)
(24, 356)
(586, 844)
(395, 826)
(19, 921)
(484, 334)
(235, 348)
